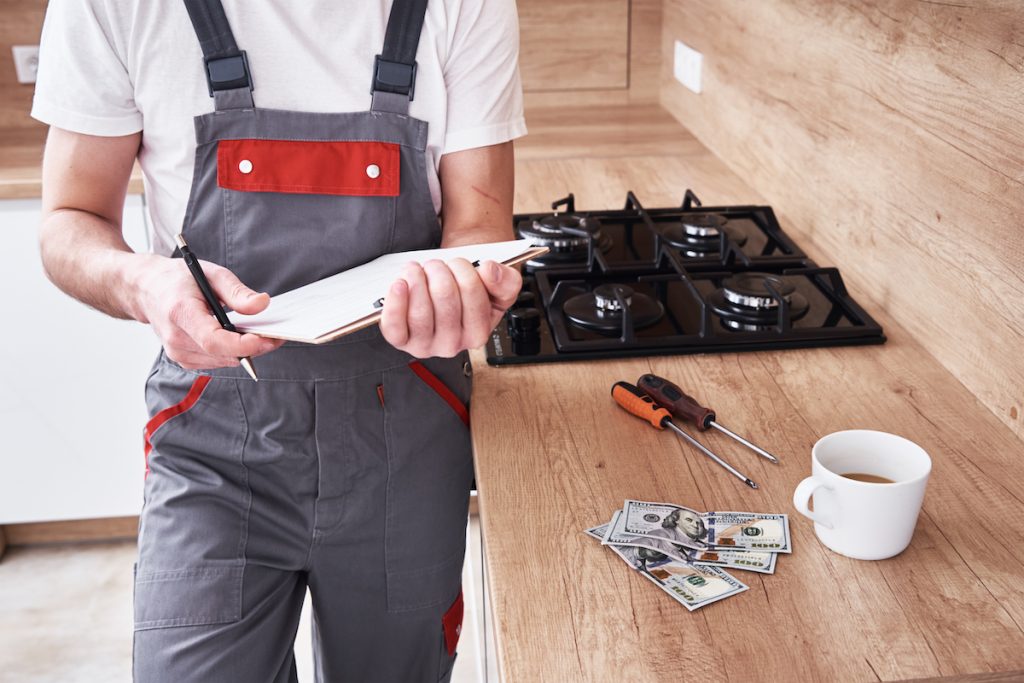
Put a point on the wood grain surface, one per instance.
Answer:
(573, 44)
(891, 134)
(554, 455)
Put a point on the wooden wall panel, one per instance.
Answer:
(573, 44)
(21, 22)
(891, 135)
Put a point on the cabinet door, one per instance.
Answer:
(573, 44)
(71, 388)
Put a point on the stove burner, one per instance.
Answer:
(550, 231)
(699, 234)
(750, 289)
(703, 224)
(744, 302)
(600, 310)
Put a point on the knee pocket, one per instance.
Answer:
(188, 597)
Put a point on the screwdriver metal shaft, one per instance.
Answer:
(757, 449)
(697, 444)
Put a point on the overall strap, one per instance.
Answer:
(226, 67)
(394, 70)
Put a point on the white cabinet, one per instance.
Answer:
(71, 387)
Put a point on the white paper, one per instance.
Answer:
(324, 306)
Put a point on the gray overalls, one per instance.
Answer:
(347, 468)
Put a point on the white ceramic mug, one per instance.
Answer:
(865, 521)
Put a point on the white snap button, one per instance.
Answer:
(373, 170)
(245, 166)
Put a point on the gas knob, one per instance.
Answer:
(526, 299)
(524, 322)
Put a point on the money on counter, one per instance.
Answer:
(682, 550)
(763, 562)
(709, 530)
(691, 585)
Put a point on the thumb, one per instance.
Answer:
(502, 282)
(234, 293)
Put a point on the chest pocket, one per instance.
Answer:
(296, 211)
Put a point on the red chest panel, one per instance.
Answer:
(301, 167)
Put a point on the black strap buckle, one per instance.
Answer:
(228, 73)
(393, 77)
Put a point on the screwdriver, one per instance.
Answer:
(631, 399)
(669, 396)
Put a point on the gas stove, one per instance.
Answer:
(689, 279)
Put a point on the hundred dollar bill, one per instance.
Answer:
(710, 530)
(748, 530)
(692, 586)
(654, 547)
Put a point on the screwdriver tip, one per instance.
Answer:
(751, 483)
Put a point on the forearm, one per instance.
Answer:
(86, 257)
(479, 234)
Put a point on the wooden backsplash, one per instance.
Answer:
(20, 24)
(892, 135)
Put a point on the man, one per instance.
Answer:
(346, 467)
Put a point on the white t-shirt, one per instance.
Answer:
(115, 67)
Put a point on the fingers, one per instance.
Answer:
(193, 317)
(476, 304)
(446, 300)
(233, 292)
(420, 316)
(394, 323)
(502, 282)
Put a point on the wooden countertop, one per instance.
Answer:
(554, 455)
(21, 157)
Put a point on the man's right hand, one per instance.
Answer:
(167, 297)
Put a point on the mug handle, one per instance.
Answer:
(802, 496)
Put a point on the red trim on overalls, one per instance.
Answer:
(361, 169)
(157, 421)
(443, 391)
(452, 622)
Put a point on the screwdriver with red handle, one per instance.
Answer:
(681, 405)
(633, 400)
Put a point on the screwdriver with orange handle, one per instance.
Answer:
(635, 401)
(681, 405)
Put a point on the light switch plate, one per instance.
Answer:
(687, 66)
(26, 62)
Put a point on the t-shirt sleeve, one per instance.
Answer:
(485, 94)
(83, 83)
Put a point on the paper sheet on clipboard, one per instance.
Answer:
(344, 303)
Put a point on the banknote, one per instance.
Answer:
(691, 585)
(748, 530)
(674, 523)
(761, 562)
(707, 531)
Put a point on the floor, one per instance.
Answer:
(66, 615)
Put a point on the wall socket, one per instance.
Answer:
(26, 62)
(687, 66)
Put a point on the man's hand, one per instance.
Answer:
(442, 309)
(166, 297)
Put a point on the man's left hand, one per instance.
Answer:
(441, 309)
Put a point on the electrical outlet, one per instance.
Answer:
(687, 66)
(26, 62)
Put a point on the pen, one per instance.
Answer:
(204, 286)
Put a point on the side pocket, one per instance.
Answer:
(188, 597)
(441, 389)
(182, 406)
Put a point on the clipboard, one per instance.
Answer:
(312, 315)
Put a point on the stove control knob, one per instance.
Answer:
(526, 299)
(524, 323)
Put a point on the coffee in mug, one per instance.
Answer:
(868, 488)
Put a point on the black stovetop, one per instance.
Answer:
(691, 279)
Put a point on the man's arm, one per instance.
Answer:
(85, 179)
(441, 309)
